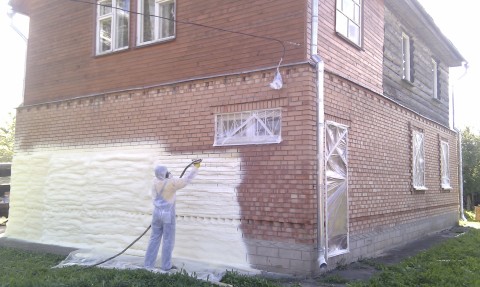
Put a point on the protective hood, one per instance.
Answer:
(161, 172)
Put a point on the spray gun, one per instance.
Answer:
(195, 161)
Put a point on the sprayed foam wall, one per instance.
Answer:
(101, 199)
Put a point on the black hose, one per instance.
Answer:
(189, 165)
(146, 230)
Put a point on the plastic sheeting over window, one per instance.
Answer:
(418, 160)
(444, 161)
(336, 188)
(253, 127)
(200, 270)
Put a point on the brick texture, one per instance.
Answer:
(277, 194)
(380, 159)
(61, 61)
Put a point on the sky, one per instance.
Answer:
(456, 19)
(12, 62)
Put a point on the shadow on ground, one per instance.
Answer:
(366, 268)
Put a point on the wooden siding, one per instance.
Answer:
(360, 65)
(417, 95)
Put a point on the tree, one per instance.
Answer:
(7, 139)
(471, 167)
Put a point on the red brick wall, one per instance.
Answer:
(277, 194)
(61, 61)
(380, 158)
(362, 65)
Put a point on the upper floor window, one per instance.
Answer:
(436, 93)
(407, 58)
(252, 127)
(112, 25)
(418, 160)
(444, 164)
(156, 21)
(349, 20)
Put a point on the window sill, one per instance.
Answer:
(446, 187)
(407, 82)
(353, 44)
(97, 55)
(419, 190)
(247, 143)
(151, 43)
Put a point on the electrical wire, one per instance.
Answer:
(282, 43)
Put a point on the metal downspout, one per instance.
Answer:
(460, 174)
(459, 134)
(321, 260)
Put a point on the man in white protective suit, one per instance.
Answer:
(163, 220)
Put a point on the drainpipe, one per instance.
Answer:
(322, 259)
(459, 135)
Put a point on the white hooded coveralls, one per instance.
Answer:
(163, 219)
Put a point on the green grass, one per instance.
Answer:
(469, 215)
(22, 268)
(455, 262)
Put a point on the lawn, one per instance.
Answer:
(455, 262)
(22, 268)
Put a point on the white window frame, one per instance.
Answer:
(250, 127)
(435, 79)
(158, 21)
(418, 160)
(406, 61)
(348, 22)
(114, 15)
(445, 164)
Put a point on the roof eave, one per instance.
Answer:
(20, 6)
(411, 12)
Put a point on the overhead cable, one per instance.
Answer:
(282, 43)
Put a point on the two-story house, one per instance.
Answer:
(353, 155)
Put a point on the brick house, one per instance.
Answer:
(352, 156)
